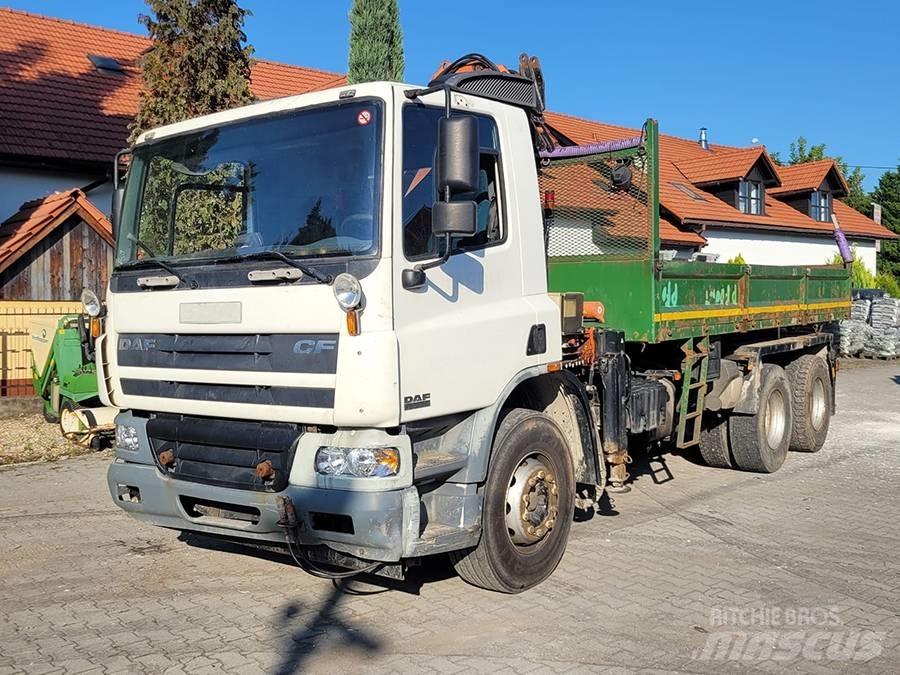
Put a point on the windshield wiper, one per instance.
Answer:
(321, 277)
(152, 260)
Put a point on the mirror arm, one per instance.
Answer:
(437, 262)
(416, 277)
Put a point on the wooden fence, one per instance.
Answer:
(15, 341)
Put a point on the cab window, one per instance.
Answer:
(419, 145)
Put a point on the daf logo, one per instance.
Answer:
(137, 344)
(314, 346)
(417, 401)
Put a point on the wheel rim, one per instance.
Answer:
(532, 501)
(775, 419)
(819, 405)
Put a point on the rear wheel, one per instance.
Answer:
(760, 442)
(529, 502)
(714, 444)
(811, 396)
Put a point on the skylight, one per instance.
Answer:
(686, 190)
(106, 63)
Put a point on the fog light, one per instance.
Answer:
(127, 437)
(358, 462)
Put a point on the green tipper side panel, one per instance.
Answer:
(604, 242)
(695, 298)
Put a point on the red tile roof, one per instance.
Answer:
(709, 210)
(36, 219)
(808, 176)
(55, 104)
(721, 165)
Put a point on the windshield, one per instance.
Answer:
(305, 183)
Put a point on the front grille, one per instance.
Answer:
(253, 394)
(264, 353)
(224, 452)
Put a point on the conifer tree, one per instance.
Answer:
(376, 42)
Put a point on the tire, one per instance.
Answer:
(715, 447)
(760, 442)
(50, 416)
(811, 402)
(510, 559)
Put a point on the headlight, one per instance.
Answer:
(127, 437)
(91, 302)
(358, 462)
(347, 291)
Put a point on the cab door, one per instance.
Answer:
(464, 335)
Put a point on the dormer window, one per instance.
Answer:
(750, 197)
(820, 206)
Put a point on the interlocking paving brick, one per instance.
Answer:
(82, 586)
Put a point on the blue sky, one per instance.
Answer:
(754, 70)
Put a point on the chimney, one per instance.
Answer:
(876, 213)
(704, 143)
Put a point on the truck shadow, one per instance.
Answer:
(305, 637)
(431, 569)
(308, 628)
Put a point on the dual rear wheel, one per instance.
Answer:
(794, 413)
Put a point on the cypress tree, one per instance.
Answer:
(376, 42)
(199, 61)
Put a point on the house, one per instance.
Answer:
(50, 249)
(67, 94)
(724, 201)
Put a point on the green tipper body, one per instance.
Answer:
(652, 300)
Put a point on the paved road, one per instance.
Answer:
(696, 570)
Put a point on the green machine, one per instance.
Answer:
(65, 377)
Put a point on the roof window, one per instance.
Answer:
(106, 63)
(686, 190)
(750, 197)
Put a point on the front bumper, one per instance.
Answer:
(362, 521)
(385, 524)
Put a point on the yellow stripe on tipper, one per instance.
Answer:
(722, 313)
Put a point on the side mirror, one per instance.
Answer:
(118, 190)
(456, 161)
(456, 169)
(454, 218)
(116, 212)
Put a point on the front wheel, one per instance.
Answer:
(529, 502)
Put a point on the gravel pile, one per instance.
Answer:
(28, 437)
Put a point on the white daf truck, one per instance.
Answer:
(329, 328)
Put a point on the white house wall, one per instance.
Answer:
(761, 247)
(18, 186)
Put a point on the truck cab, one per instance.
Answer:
(241, 378)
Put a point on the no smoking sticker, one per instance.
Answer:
(364, 117)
